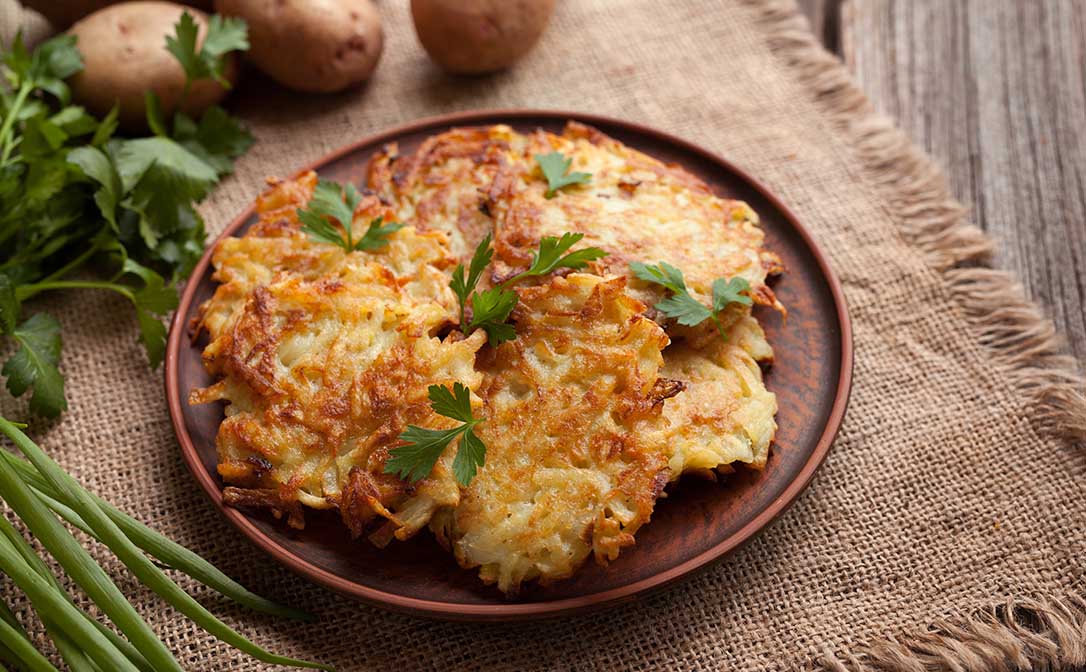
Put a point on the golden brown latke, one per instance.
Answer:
(325, 358)
(567, 406)
(472, 180)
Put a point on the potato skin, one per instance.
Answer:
(317, 46)
(63, 13)
(124, 55)
(476, 36)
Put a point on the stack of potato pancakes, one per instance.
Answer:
(325, 356)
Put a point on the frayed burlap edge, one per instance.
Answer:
(1022, 634)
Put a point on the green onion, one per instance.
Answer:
(82, 568)
(5, 611)
(68, 651)
(74, 496)
(8, 616)
(167, 551)
(20, 647)
(37, 564)
(9, 623)
(54, 606)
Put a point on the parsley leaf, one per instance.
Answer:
(416, 458)
(470, 455)
(34, 365)
(96, 166)
(107, 127)
(377, 234)
(490, 310)
(684, 308)
(730, 291)
(555, 167)
(223, 36)
(663, 274)
(56, 58)
(135, 159)
(456, 405)
(217, 140)
(328, 201)
(464, 287)
(75, 121)
(162, 180)
(46, 68)
(549, 256)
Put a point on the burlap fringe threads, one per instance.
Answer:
(1023, 634)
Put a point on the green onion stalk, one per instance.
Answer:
(42, 494)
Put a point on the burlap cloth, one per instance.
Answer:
(947, 526)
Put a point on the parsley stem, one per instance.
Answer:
(514, 279)
(9, 122)
(72, 265)
(24, 292)
(719, 327)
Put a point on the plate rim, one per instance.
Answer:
(513, 610)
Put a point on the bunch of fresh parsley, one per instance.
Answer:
(683, 307)
(83, 209)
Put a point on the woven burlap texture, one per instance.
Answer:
(946, 527)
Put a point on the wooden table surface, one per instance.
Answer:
(995, 91)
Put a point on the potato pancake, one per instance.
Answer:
(466, 181)
(443, 184)
(325, 356)
(725, 413)
(568, 404)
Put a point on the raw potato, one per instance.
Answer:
(318, 46)
(476, 36)
(63, 13)
(124, 52)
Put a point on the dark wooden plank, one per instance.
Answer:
(995, 90)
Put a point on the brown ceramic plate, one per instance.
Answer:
(697, 523)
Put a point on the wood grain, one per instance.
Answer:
(995, 90)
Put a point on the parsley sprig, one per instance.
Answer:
(555, 167)
(339, 202)
(683, 307)
(416, 458)
(206, 61)
(492, 307)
